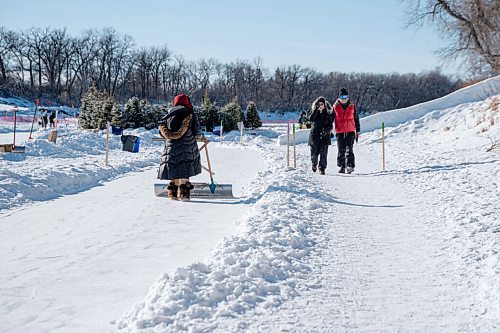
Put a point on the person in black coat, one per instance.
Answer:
(52, 118)
(320, 136)
(45, 119)
(302, 119)
(181, 157)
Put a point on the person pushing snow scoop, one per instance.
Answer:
(181, 157)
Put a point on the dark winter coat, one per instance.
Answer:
(181, 157)
(303, 118)
(322, 123)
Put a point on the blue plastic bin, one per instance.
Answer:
(136, 145)
(116, 130)
(217, 130)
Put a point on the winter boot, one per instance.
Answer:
(321, 171)
(183, 193)
(172, 190)
(189, 187)
(314, 168)
(342, 170)
(349, 169)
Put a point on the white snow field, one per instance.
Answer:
(412, 248)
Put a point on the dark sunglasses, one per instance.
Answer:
(344, 96)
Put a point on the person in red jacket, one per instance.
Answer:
(347, 128)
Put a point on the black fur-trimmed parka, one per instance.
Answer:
(322, 123)
(181, 157)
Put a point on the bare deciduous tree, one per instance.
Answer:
(471, 26)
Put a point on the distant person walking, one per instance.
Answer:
(52, 118)
(347, 129)
(321, 120)
(181, 157)
(45, 119)
(302, 119)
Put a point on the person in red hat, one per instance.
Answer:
(181, 158)
(347, 129)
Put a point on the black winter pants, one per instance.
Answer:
(345, 142)
(320, 149)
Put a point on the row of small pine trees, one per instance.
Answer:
(97, 108)
(210, 115)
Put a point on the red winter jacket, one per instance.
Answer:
(345, 119)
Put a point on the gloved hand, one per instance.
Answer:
(357, 137)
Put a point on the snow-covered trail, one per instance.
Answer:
(74, 264)
(387, 262)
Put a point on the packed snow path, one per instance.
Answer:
(385, 265)
(76, 263)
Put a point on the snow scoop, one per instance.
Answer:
(200, 190)
(211, 186)
(211, 190)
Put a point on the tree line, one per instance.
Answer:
(49, 63)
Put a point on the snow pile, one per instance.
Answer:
(75, 163)
(474, 93)
(8, 109)
(264, 263)
(301, 136)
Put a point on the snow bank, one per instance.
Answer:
(10, 108)
(75, 163)
(474, 93)
(264, 263)
(301, 136)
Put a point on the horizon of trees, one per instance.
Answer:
(49, 63)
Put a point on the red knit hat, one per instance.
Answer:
(183, 100)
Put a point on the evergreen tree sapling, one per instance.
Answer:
(86, 109)
(153, 115)
(252, 119)
(231, 114)
(133, 116)
(105, 115)
(116, 116)
(96, 109)
(208, 115)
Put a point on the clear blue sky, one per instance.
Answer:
(329, 35)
